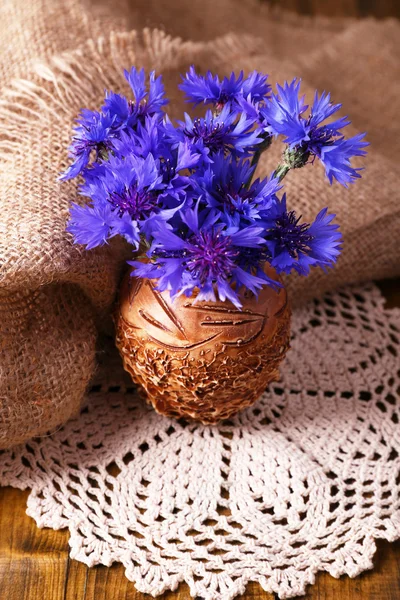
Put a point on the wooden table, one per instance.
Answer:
(34, 563)
(342, 8)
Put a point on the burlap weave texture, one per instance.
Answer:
(63, 54)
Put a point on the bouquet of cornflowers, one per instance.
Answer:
(184, 195)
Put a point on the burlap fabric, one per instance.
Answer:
(54, 295)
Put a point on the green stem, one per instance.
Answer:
(256, 156)
(103, 154)
(292, 159)
(281, 171)
(144, 246)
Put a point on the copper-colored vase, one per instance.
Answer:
(202, 360)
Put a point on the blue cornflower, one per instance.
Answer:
(226, 186)
(187, 193)
(127, 114)
(129, 185)
(202, 254)
(147, 102)
(252, 110)
(94, 133)
(209, 89)
(93, 225)
(282, 113)
(124, 194)
(150, 138)
(307, 136)
(90, 225)
(172, 164)
(298, 246)
(215, 133)
(98, 131)
(119, 109)
(336, 158)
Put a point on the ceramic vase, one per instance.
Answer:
(201, 360)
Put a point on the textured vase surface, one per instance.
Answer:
(203, 360)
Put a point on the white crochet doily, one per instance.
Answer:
(305, 480)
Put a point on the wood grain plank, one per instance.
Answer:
(382, 583)
(340, 8)
(33, 562)
(76, 581)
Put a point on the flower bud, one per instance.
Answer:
(295, 158)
